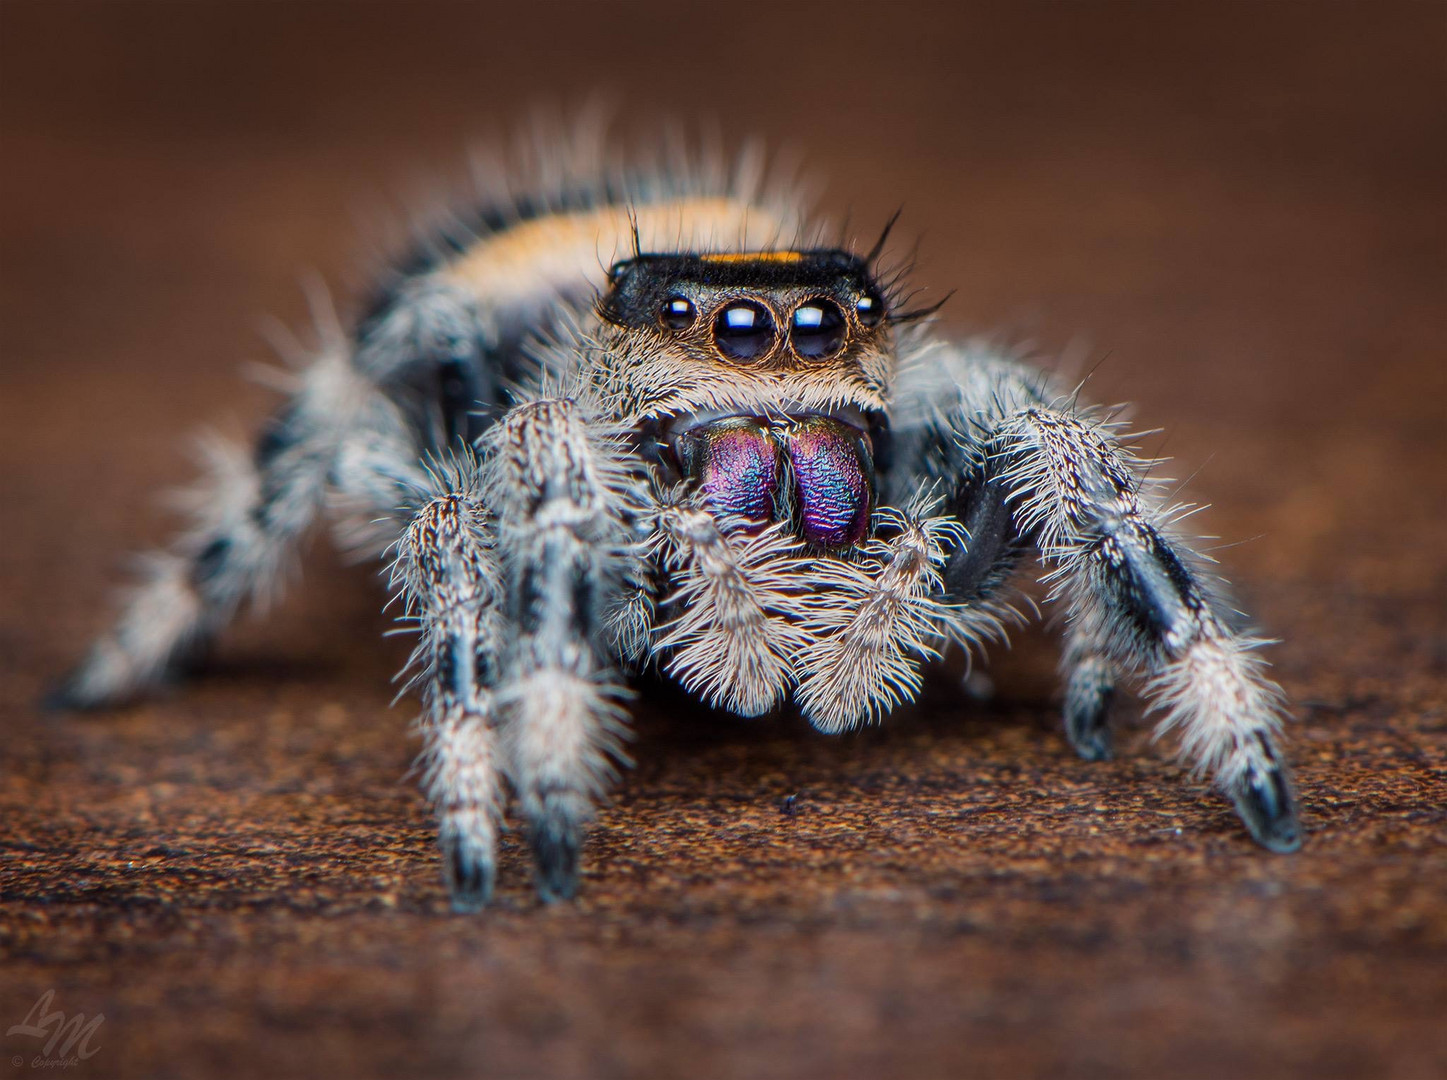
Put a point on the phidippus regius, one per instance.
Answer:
(651, 418)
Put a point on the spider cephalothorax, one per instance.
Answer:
(723, 456)
(779, 363)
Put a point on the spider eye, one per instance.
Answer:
(870, 309)
(818, 329)
(678, 313)
(744, 330)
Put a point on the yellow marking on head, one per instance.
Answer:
(754, 256)
(534, 259)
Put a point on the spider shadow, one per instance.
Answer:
(675, 735)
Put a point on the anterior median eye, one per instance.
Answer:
(678, 313)
(744, 330)
(818, 329)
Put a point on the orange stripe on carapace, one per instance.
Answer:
(753, 256)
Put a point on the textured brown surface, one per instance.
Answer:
(1241, 205)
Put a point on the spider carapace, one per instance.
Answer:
(723, 455)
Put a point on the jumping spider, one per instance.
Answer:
(727, 456)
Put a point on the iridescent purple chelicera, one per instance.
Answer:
(736, 462)
(833, 478)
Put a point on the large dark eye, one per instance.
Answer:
(678, 313)
(744, 330)
(818, 329)
(870, 309)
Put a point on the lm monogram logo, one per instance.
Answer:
(42, 1023)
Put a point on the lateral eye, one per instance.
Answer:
(817, 329)
(678, 313)
(744, 330)
(869, 308)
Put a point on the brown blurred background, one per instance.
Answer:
(1238, 206)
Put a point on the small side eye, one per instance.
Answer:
(818, 329)
(870, 309)
(744, 330)
(678, 313)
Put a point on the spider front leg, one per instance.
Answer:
(449, 580)
(1021, 463)
(558, 491)
(1138, 598)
